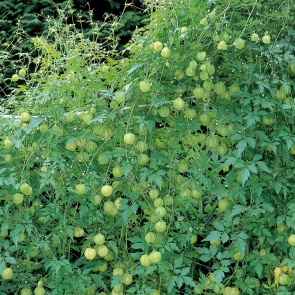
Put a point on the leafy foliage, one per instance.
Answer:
(20, 21)
(178, 150)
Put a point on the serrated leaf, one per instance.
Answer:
(213, 235)
(224, 237)
(116, 280)
(179, 281)
(185, 271)
(258, 268)
(237, 210)
(230, 161)
(137, 246)
(251, 142)
(241, 145)
(133, 68)
(205, 258)
(219, 275)
(252, 168)
(189, 281)
(178, 262)
(10, 260)
(126, 167)
(218, 225)
(245, 174)
(170, 284)
(241, 245)
(262, 166)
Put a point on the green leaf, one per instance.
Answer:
(10, 260)
(178, 262)
(185, 271)
(189, 281)
(252, 168)
(263, 166)
(224, 237)
(116, 280)
(241, 145)
(219, 275)
(240, 244)
(133, 68)
(238, 209)
(251, 142)
(218, 225)
(170, 285)
(245, 174)
(213, 235)
(127, 168)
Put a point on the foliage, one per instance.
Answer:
(181, 155)
(20, 21)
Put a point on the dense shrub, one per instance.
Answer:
(20, 21)
(169, 171)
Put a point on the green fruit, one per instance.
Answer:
(18, 198)
(291, 240)
(238, 256)
(14, 78)
(178, 104)
(106, 190)
(25, 117)
(201, 56)
(204, 21)
(222, 149)
(39, 291)
(142, 159)
(199, 92)
(150, 237)
(239, 43)
(266, 39)
(225, 37)
(22, 73)
(127, 279)
(145, 260)
(83, 157)
(120, 97)
(144, 86)
(117, 171)
(7, 143)
(219, 88)
(78, 232)
(26, 189)
(292, 149)
(90, 253)
(268, 120)
(155, 256)
(158, 46)
(26, 291)
(204, 75)
(190, 71)
(183, 29)
(284, 279)
(129, 138)
(222, 45)
(7, 273)
(166, 52)
(254, 37)
(102, 250)
(164, 111)
(205, 119)
(160, 226)
(80, 189)
(223, 204)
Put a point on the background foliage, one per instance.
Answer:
(19, 21)
(179, 150)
